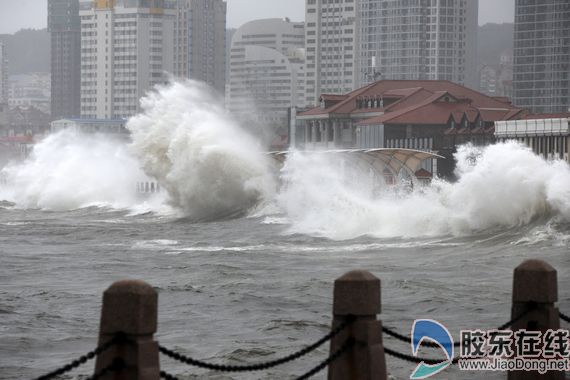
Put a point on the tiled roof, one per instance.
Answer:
(422, 173)
(419, 103)
(17, 139)
(536, 116)
(333, 97)
(415, 92)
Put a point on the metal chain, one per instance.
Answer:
(564, 317)
(167, 376)
(116, 365)
(338, 353)
(83, 359)
(260, 366)
(413, 359)
(408, 339)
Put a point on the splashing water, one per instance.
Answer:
(70, 170)
(500, 186)
(210, 167)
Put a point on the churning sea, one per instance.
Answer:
(257, 285)
(242, 291)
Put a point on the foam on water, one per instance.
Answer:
(500, 186)
(210, 168)
(70, 170)
(186, 140)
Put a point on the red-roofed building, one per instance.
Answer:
(414, 114)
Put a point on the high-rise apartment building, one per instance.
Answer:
(267, 70)
(333, 47)
(3, 74)
(541, 77)
(200, 41)
(65, 29)
(126, 49)
(419, 39)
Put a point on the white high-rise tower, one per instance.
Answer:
(126, 49)
(332, 41)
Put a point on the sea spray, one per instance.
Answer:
(186, 140)
(69, 170)
(499, 186)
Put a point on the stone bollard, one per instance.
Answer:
(357, 293)
(535, 290)
(130, 307)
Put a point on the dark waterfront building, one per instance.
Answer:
(65, 28)
(542, 55)
(419, 39)
(200, 41)
(434, 116)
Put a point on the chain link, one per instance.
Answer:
(411, 359)
(83, 359)
(260, 366)
(337, 354)
(167, 376)
(117, 365)
(408, 339)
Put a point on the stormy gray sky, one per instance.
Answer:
(18, 14)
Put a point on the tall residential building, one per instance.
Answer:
(267, 70)
(65, 28)
(3, 74)
(332, 44)
(200, 41)
(127, 47)
(541, 78)
(419, 39)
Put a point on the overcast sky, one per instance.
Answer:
(18, 14)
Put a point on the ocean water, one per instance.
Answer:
(243, 253)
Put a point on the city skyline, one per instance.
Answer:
(17, 15)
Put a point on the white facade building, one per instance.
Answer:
(126, 49)
(419, 39)
(200, 41)
(3, 74)
(333, 47)
(266, 70)
(549, 138)
(107, 126)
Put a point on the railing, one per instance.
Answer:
(128, 351)
(148, 187)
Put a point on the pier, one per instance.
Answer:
(127, 349)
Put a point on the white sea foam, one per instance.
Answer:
(210, 168)
(70, 170)
(500, 186)
(186, 140)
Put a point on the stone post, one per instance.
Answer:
(308, 132)
(357, 293)
(335, 141)
(535, 290)
(130, 307)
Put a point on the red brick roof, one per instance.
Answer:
(333, 97)
(421, 102)
(17, 139)
(422, 173)
(535, 116)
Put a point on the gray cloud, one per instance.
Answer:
(18, 14)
